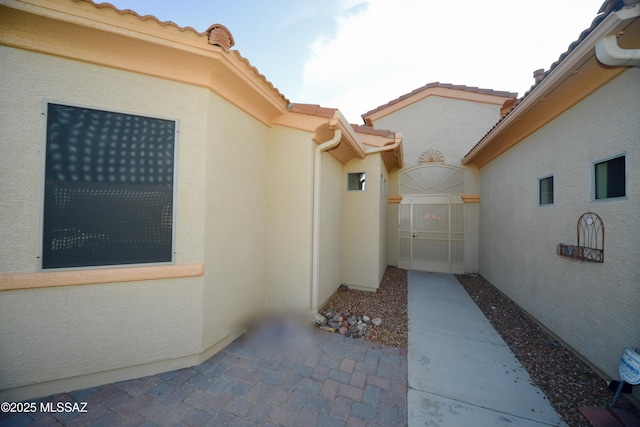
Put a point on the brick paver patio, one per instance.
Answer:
(278, 377)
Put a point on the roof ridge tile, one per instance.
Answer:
(432, 85)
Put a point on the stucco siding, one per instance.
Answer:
(382, 222)
(591, 306)
(332, 209)
(54, 333)
(361, 266)
(290, 201)
(452, 126)
(236, 220)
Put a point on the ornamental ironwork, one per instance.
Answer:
(590, 236)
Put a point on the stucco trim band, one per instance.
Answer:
(394, 198)
(471, 198)
(13, 281)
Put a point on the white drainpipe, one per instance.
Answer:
(609, 53)
(607, 50)
(315, 238)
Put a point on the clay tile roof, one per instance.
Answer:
(220, 36)
(142, 18)
(606, 9)
(312, 109)
(261, 76)
(216, 34)
(444, 86)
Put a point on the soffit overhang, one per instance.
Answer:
(356, 142)
(383, 141)
(323, 122)
(574, 77)
(106, 36)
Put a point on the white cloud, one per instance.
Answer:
(382, 49)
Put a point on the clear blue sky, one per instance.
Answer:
(355, 55)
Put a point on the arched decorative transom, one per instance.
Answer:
(432, 179)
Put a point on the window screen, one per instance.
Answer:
(108, 188)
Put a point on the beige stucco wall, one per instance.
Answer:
(332, 208)
(363, 223)
(290, 201)
(452, 126)
(54, 79)
(593, 307)
(71, 337)
(236, 219)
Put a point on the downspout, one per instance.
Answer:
(315, 237)
(609, 52)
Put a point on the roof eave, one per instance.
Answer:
(78, 29)
(581, 58)
(445, 90)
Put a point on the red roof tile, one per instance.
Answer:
(373, 131)
(216, 34)
(444, 86)
(142, 18)
(606, 9)
(312, 109)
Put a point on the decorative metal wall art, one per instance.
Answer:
(590, 237)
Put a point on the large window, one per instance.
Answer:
(610, 178)
(546, 191)
(109, 188)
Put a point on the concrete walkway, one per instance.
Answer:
(461, 372)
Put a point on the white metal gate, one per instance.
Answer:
(431, 226)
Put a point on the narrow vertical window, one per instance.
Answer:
(108, 188)
(610, 178)
(356, 181)
(546, 191)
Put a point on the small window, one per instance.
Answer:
(546, 191)
(108, 188)
(356, 181)
(610, 178)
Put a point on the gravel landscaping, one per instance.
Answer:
(566, 380)
(388, 303)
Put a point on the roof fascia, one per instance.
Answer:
(323, 126)
(461, 95)
(560, 90)
(390, 148)
(83, 31)
(349, 136)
